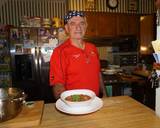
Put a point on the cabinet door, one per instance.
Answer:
(147, 33)
(134, 24)
(106, 25)
(92, 23)
(128, 25)
(122, 25)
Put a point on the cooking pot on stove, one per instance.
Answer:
(11, 102)
(112, 70)
(109, 71)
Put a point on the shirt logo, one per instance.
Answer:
(76, 56)
(92, 53)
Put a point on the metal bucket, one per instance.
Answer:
(11, 103)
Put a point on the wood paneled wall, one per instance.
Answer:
(11, 11)
(144, 6)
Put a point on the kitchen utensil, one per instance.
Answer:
(11, 102)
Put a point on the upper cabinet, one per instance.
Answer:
(92, 24)
(122, 25)
(128, 25)
(134, 25)
(111, 25)
(101, 24)
(147, 33)
(106, 25)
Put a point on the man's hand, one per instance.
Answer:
(57, 90)
(102, 86)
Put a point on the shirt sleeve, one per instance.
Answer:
(57, 67)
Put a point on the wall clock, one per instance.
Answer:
(112, 4)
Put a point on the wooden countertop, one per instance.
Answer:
(143, 73)
(131, 78)
(117, 112)
(30, 116)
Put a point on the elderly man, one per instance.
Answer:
(75, 63)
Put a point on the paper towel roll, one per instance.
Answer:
(158, 101)
(156, 45)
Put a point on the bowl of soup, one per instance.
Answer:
(78, 97)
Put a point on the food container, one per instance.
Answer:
(46, 23)
(77, 92)
(11, 102)
(57, 22)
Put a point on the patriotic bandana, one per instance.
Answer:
(70, 14)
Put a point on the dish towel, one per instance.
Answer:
(158, 101)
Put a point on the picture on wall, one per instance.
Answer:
(90, 5)
(14, 34)
(19, 48)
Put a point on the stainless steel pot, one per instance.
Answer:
(11, 102)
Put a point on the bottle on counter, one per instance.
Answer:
(143, 65)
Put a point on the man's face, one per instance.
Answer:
(76, 27)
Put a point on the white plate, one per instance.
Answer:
(96, 104)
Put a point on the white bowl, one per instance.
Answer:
(77, 92)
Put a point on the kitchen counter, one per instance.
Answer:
(121, 81)
(143, 73)
(117, 112)
(123, 78)
(131, 78)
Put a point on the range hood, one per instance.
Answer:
(111, 41)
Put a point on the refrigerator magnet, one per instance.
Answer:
(19, 48)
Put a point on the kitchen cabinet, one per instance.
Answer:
(106, 25)
(134, 25)
(122, 25)
(147, 33)
(92, 24)
(138, 91)
(136, 86)
(150, 95)
(101, 24)
(112, 25)
(127, 25)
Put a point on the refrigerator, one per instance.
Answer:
(31, 49)
(5, 69)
